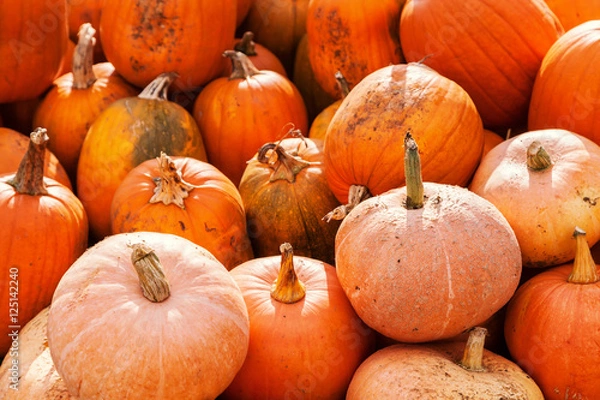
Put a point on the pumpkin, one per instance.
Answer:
(76, 99)
(442, 371)
(319, 125)
(13, 146)
(178, 323)
(81, 12)
(354, 37)
(565, 93)
(128, 132)
(186, 197)
(306, 341)
(493, 50)
(364, 140)
(426, 261)
(551, 323)
(145, 39)
(278, 25)
(29, 373)
(490, 140)
(261, 57)
(285, 196)
(543, 183)
(33, 40)
(238, 114)
(44, 230)
(243, 7)
(574, 12)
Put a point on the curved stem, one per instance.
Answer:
(287, 288)
(284, 165)
(342, 83)
(83, 58)
(159, 87)
(537, 157)
(153, 282)
(170, 188)
(356, 195)
(246, 44)
(584, 266)
(472, 359)
(412, 169)
(241, 66)
(29, 178)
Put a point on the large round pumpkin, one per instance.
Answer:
(565, 93)
(363, 144)
(147, 316)
(186, 197)
(145, 39)
(44, 230)
(492, 49)
(33, 40)
(128, 132)
(306, 341)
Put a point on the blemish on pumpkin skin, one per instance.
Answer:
(590, 201)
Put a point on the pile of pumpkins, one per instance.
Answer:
(272, 199)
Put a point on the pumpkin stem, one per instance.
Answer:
(285, 166)
(356, 195)
(241, 66)
(153, 282)
(158, 89)
(538, 158)
(246, 44)
(342, 83)
(287, 288)
(83, 57)
(170, 186)
(472, 359)
(412, 168)
(584, 267)
(29, 178)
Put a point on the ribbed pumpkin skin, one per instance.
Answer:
(213, 217)
(427, 274)
(574, 12)
(68, 113)
(237, 116)
(354, 37)
(33, 40)
(492, 49)
(281, 211)
(565, 94)
(13, 146)
(41, 236)
(128, 132)
(145, 39)
(364, 141)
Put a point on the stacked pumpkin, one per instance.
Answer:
(295, 199)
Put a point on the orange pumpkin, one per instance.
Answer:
(128, 132)
(76, 100)
(318, 127)
(491, 140)
(306, 341)
(363, 144)
(13, 146)
(178, 323)
(44, 230)
(145, 39)
(238, 114)
(286, 195)
(565, 93)
(551, 325)
(574, 12)
(261, 57)
(441, 371)
(33, 40)
(491, 49)
(543, 183)
(354, 37)
(426, 261)
(186, 197)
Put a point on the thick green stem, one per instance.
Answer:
(153, 282)
(473, 355)
(83, 58)
(412, 168)
(584, 268)
(29, 178)
(287, 288)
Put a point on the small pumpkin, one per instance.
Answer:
(551, 323)
(442, 371)
(261, 57)
(306, 341)
(128, 132)
(178, 323)
(186, 197)
(76, 99)
(44, 230)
